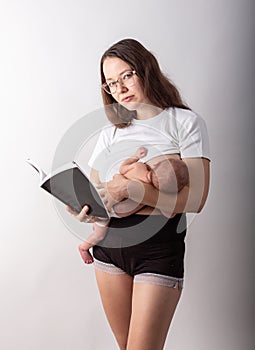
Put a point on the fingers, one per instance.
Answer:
(141, 152)
(100, 185)
(102, 193)
(82, 216)
(108, 200)
(109, 203)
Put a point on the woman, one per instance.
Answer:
(139, 265)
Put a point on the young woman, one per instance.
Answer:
(139, 265)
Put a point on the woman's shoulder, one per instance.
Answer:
(182, 114)
(184, 117)
(107, 131)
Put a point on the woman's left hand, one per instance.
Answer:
(82, 216)
(114, 191)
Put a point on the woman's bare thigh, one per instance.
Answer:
(116, 295)
(153, 308)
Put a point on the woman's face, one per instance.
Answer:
(129, 96)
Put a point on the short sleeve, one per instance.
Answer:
(192, 135)
(101, 151)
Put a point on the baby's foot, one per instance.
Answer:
(141, 152)
(86, 256)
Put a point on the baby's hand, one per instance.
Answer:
(141, 152)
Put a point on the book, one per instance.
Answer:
(71, 186)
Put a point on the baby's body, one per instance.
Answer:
(168, 175)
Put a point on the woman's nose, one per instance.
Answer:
(121, 87)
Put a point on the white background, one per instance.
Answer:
(49, 78)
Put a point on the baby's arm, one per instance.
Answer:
(128, 164)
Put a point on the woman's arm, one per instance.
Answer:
(190, 199)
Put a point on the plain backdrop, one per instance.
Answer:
(49, 79)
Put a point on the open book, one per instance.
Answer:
(71, 186)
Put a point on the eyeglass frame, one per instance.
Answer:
(120, 81)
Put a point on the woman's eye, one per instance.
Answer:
(127, 75)
(112, 84)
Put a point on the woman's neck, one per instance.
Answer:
(147, 111)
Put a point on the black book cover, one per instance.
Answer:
(72, 187)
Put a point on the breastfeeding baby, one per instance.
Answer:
(168, 175)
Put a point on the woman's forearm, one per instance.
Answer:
(190, 199)
(169, 203)
(149, 196)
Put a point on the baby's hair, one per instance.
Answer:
(170, 175)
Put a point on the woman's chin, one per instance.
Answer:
(131, 106)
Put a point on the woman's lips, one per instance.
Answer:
(127, 99)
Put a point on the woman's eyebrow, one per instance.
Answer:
(125, 70)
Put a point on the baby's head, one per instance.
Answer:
(170, 175)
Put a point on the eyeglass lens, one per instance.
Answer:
(127, 79)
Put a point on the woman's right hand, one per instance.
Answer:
(114, 191)
(82, 216)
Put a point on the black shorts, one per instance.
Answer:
(145, 244)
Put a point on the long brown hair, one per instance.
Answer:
(160, 91)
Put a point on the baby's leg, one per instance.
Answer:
(99, 232)
(84, 252)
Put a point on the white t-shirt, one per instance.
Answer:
(174, 130)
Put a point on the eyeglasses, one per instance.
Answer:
(127, 79)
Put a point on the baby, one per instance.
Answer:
(167, 175)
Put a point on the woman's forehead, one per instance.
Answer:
(114, 66)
